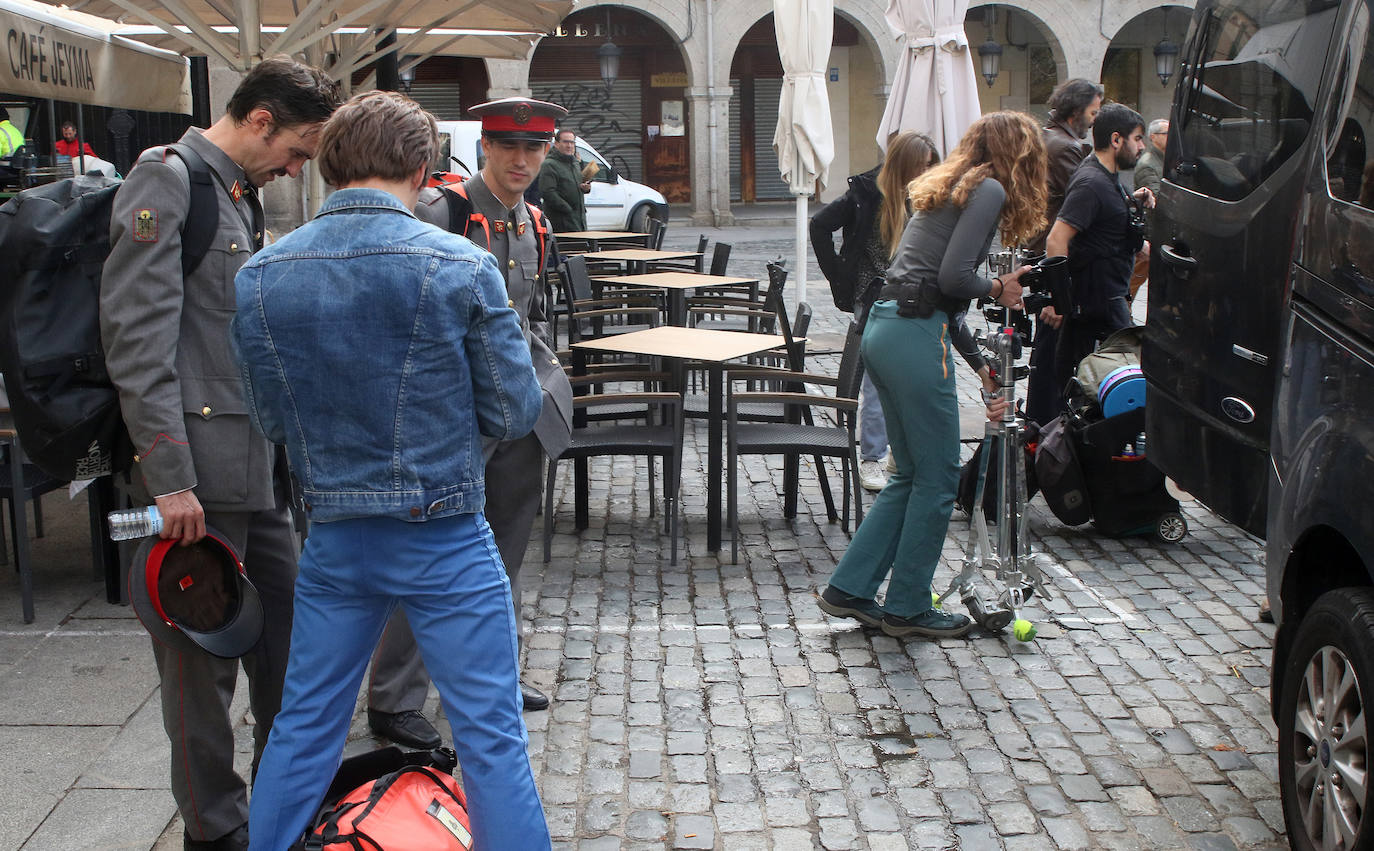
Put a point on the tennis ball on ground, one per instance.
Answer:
(1023, 629)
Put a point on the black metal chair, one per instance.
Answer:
(798, 436)
(645, 423)
(21, 482)
(695, 265)
(589, 316)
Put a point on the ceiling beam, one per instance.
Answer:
(214, 46)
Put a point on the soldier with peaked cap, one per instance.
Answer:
(489, 209)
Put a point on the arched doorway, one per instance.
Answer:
(1032, 58)
(640, 124)
(756, 80)
(1128, 68)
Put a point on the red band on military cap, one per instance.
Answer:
(508, 124)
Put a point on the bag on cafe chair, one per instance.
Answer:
(417, 805)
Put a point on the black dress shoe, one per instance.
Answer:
(534, 698)
(408, 728)
(234, 840)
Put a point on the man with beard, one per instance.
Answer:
(1073, 108)
(1097, 229)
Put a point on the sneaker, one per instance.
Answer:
(871, 475)
(835, 602)
(891, 463)
(931, 623)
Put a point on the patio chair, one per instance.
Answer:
(798, 436)
(645, 422)
(617, 312)
(695, 265)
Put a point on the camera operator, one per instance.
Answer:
(1073, 108)
(1101, 228)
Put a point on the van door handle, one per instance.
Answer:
(1184, 264)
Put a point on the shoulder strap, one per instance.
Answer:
(202, 214)
(462, 215)
(541, 229)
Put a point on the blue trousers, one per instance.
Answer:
(448, 577)
(911, 362)
(872, 422)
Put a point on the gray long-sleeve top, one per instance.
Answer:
(949, 244)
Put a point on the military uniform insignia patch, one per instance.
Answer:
(520, 231)
(145, 225)
(236, 192)
(499, 226)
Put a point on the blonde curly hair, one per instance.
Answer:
(1008, 146)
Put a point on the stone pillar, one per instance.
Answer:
(508, 78)
(710, 175)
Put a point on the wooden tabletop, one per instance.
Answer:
(600, 234)
(670, 341)
(640, 255)
(674, 280)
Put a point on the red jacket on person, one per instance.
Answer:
(68, 149)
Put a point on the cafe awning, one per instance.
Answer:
(59, 54)
(243, 31)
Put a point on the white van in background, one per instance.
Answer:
(614, 203)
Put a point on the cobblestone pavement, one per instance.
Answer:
(712, 705)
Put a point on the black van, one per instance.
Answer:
(1259, 353)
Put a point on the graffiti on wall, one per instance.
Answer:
(602, 119)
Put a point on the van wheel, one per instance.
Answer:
(639, 219)
(1172, 528)
(1324, 754)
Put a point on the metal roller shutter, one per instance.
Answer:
(733, 132)
(613, 125)
(440, 97)
(768, 182)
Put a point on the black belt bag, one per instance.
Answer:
(920, 300)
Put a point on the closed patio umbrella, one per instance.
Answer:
(935, 91)
(803, 140)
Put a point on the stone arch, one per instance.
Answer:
(1128, 60)
(1021, 32)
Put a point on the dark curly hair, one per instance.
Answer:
(1072, 97)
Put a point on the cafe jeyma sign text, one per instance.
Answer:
(47, 60)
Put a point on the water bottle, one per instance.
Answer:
(135, 523)
(1140, 443)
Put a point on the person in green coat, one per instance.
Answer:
(562, 186)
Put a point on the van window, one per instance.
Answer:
(1246, 105)
(1349, 162)
(603, 172)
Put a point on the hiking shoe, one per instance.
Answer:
(931, 623)
(835, 602)
(871, 475)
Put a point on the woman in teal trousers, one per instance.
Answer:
(993, 181)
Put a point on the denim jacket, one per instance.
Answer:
(380, 350)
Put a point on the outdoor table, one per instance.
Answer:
(676, 284)
(636, 258)
(711, 348)
(593, 238)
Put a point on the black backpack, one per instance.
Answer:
(53, 243)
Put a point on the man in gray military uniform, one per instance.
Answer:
(489, 209)
(166, 337)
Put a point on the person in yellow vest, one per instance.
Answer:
(11, 137)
